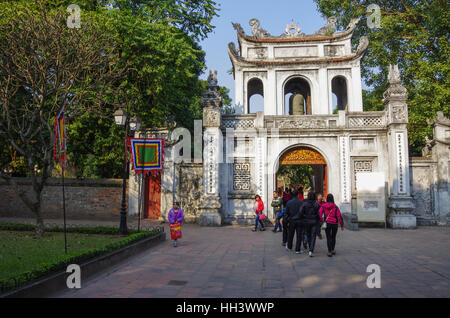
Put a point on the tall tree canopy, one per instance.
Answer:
(413, 34)
(158, 41)
(45, 66)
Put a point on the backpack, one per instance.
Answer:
(309, 211)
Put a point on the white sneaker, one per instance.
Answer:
(310, 254)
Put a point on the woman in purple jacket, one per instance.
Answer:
(176, 216)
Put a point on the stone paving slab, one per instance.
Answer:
(235, 262)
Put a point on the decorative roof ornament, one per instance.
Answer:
(395, 88)
(352, 24)
(212, 78)
(240, 30)
(363, 44)
(329, 28)
(394, 75)
(292, 31)
(257, 31)
(212, 97)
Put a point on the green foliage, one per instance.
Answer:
(157, 41)
(295, 175)
(413, 34)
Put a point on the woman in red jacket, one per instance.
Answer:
(258, 207)
(331, 214)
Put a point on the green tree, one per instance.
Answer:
(162, 85)
(413, 34)
(44, 66)
(296, 175)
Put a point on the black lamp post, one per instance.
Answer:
(121, 119)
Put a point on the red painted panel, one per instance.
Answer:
(152, 197)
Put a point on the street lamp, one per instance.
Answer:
(133, 124)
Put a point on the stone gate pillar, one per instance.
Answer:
(210, 204)
(440, 152)
(400, 200)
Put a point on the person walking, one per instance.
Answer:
(330, 213)
(258, 207)
(320, 201)
(175, 216)
(295, 224)
(286, 197)
(300, 193)
(309, 214)
(277, 202)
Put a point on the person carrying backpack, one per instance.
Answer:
(330, 214)
(309, 215)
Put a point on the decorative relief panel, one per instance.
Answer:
(257, 53)
(296, 51)
(241, 176)
(334, 50)
(301, 123)
(302, 156)
(401, 163)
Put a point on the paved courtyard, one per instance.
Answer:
(235, 262)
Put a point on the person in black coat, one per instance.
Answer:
(309, 215)
(295, 224)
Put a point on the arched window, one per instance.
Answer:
(255, 95)
(297, 97)
(339, 90)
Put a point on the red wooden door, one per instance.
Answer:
(152, 197)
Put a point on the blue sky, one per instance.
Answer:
(273, 15)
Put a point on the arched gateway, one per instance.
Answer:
(306, 156)
(350, 151)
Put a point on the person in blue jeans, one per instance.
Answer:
(258, 207)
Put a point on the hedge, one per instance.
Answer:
(12, 226)
(63, 261)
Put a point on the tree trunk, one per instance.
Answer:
(39, 224)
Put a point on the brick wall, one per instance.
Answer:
(85, 199)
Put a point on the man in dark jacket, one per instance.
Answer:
(309, 214)
(295, 224)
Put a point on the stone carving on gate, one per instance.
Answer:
(302, 156)
(399, 113)
(329, 28)
(292, 31)
(241, 176)
(352, 24)
(257, 31)
(395, 88)
(301, 123)
(363, 44)
(211, 117)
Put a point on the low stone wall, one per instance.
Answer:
(85, 199)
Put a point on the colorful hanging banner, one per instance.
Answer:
(60, 151)
(147, 154)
